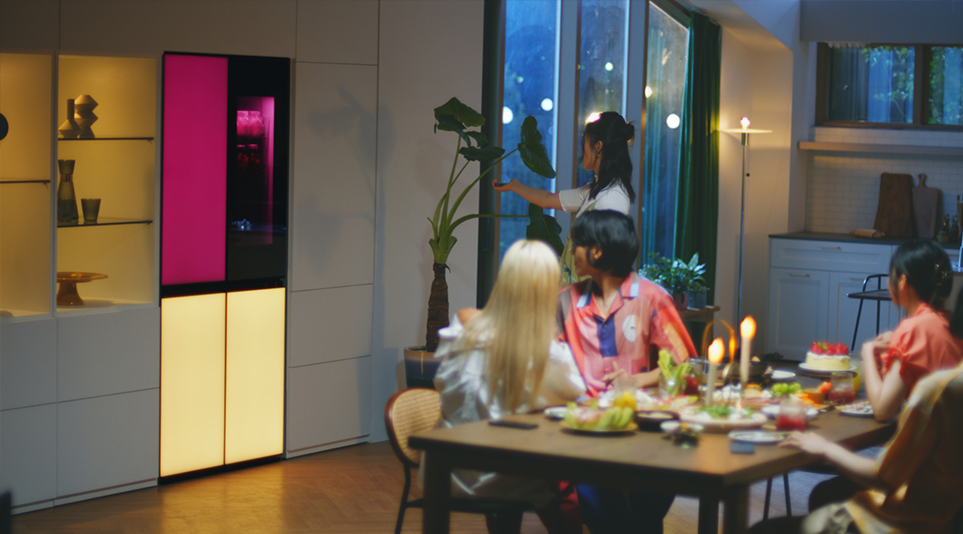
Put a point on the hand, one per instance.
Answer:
(502, 187)
(807, 442)
(610, 377)
(885, 337)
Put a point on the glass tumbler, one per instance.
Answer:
(792, 414)
(842, 391)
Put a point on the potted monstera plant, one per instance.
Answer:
(472, 146)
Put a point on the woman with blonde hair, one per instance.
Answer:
(505, 360)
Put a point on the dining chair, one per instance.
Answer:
(879, 294)
(414, 410)
(785, 487)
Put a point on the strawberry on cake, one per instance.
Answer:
(824, 356)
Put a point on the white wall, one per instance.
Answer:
(430, 51)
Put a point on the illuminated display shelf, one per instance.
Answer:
(104, 221)
(119, 169)
(108, 139)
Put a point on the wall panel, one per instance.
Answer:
(328, 403)
(334, 176)
(329, 324)
(338, 31)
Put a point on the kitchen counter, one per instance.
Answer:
(952, 249)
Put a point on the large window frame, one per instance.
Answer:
(921, 90)
(565, 141)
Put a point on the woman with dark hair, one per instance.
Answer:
(605, 151)
(928, 339)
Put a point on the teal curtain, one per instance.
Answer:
(697, 213)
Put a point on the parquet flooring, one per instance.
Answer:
(350, 490)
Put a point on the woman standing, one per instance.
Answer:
(605, 152)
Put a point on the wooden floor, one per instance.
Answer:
(355, 489)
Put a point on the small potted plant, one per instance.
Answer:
(681, 279)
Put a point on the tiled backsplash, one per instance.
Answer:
(842, 192)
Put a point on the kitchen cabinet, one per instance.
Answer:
(808, 284)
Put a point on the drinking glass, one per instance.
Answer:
(792, 414)
(841, 391)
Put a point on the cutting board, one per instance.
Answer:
(925, 202)
(894, 214)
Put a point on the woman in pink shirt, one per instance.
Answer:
(927, 340)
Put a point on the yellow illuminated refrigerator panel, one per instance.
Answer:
(222, 379)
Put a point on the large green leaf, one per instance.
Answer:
(447, 123)
(533, 151)
(544, 228)
(481, 139)
(487, 153)
(460, 113)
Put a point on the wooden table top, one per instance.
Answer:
(645, 457)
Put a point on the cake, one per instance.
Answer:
(824, 356)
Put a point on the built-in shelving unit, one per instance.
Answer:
(917, 150)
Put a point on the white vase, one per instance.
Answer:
(84, 114)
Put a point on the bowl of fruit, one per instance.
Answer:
(588, 418)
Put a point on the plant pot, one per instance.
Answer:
(697, 301)
(420, 368)
(681, 301)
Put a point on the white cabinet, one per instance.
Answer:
(808, 285)
(798, 310)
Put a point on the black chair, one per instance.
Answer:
(879, 295)
(785, 486)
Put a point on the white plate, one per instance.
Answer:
(804, 367)
(758, 437)
(782, 375)
(772, 411)
(555, 413)
(721, 426)
(860, 409)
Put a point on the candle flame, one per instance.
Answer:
(744, 122)
(716, 350)
(748, 327)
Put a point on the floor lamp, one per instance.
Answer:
(744, 132)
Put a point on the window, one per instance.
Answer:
(665, 82)
(883, 85)
(563, 61)
(530, 87)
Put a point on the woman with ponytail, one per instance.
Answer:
(928, 339)
(605, 151)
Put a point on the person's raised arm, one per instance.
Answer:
(540, 197)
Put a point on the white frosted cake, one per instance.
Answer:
(828, 357)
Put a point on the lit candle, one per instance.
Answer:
(745, 123)
(748, 331)
(716, 350)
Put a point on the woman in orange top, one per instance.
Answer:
(928, 339)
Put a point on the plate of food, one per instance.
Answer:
(721, 418)
(758, 437)
(859, 409)
(590, 419)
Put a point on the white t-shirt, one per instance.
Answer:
(613, 197)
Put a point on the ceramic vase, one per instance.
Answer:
(66, 198)
(69, 129)
(84, 114)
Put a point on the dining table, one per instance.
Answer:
(633, 460)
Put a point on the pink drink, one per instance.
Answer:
(791, 421)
